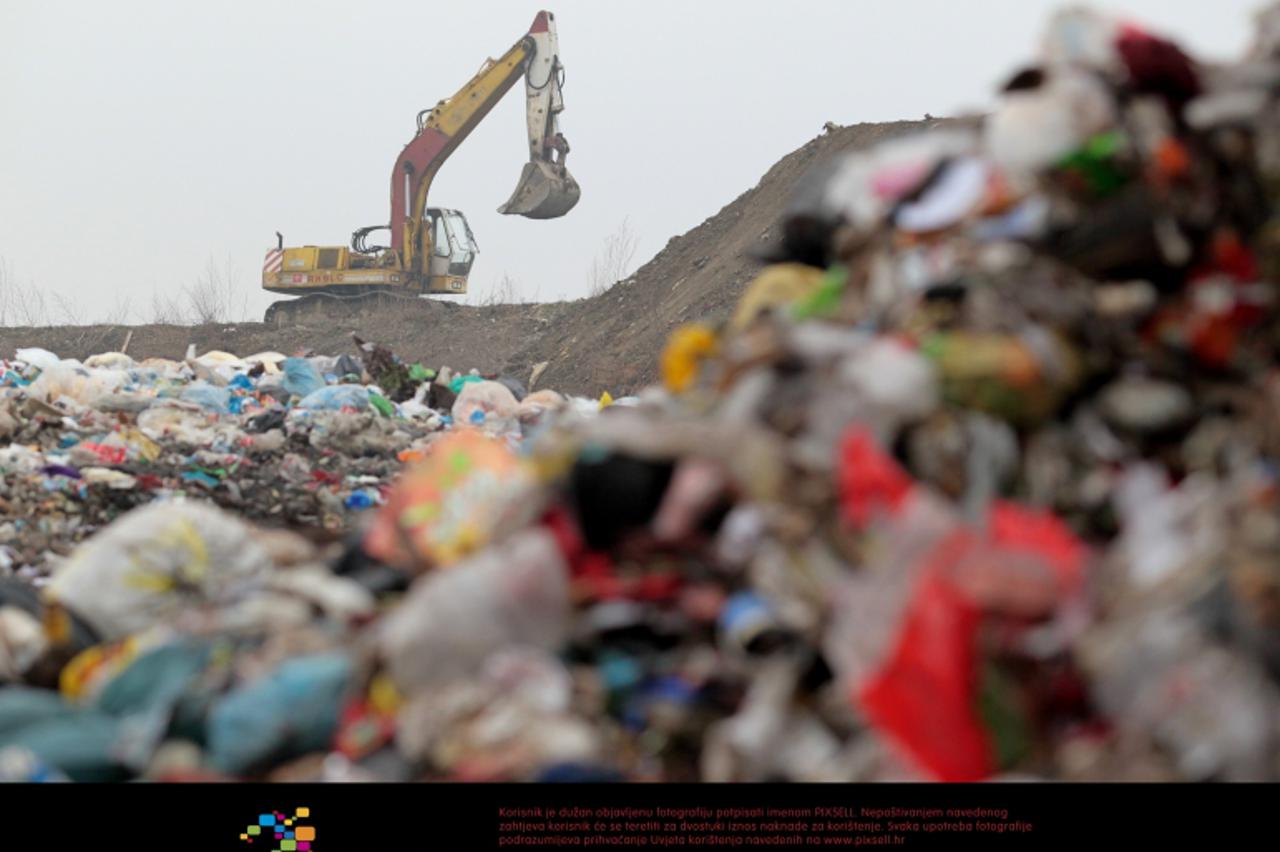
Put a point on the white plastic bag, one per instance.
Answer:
(514, 593)
(157, 563)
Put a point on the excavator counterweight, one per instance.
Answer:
(432, 249)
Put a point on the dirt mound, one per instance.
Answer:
(608, 342)
(611, 342)
(429, 330)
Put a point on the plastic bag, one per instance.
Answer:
(456, 383)
(447, 505)
(925, 696)
(1021, 379)
(381, 404)
(347, 365)
(110, 361)
(464, 727)
(292, 711)
(41, 359)
(301, 378)
(514, 593)
(681, 358)
(1035, 127)
(871, 483)
(75, 382)
(537, 404)
(893, 381)
(82, 747)
(187, 426)
(865, 185)
(22, 642)
(951, 196)
(518, 390)
(491, 399)
(776, 286)
(336, 398)
(157, 563)
(904, 635)
(208, 396)
(270, 361)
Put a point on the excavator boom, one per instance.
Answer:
(546, 189)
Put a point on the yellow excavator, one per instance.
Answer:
(432, 248)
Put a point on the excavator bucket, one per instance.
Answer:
(545, 191)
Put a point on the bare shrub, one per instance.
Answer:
(505, 292)
(215, 297)
(35, 307)
(8, 294)
(21, 305)
(166, 310)
(121, 312)
(613, 262)
(68, 311)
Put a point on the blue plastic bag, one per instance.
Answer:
(458, 382)
(77, 742)
(301, 378)
(292, 711)
(335, 397)
(208, 396)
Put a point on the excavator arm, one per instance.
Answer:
(546, 189)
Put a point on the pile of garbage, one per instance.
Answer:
(302, 442)
(979, 482)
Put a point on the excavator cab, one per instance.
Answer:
(453, 250)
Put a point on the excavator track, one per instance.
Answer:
(332, 306)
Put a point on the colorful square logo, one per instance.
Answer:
(287, 833)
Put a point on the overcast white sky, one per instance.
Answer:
(138, 138)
